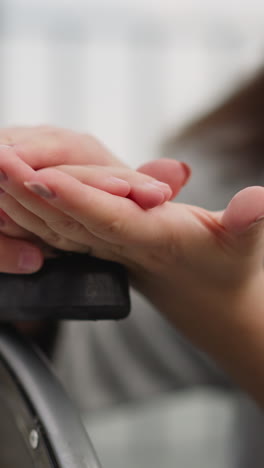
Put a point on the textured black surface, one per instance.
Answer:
(71, 286)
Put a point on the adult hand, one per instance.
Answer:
(42, 147)
(19, 256)
(202, 269)
(48, 146)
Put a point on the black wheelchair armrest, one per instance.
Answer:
(70, 286)
(39, 427)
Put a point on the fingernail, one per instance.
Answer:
(116, 180)
(3, 176)
(186, 172)
(260, 218)
(160, 184)
(5, 147)
(163, 189)
(249, 226)
(157, 185)
(162, 199)
(163, 186)
(29, 260)
(153, 186)
(257, 221)
(40, 189)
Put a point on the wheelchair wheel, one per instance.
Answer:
(39, 426)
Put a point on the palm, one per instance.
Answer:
(232, 238)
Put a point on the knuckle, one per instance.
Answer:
(112, 228)
(59, 145)
(91, 138)
(6, 139)
(50, 129)
(67, 226)
(59, 242)
(58, 137)
(51, 237)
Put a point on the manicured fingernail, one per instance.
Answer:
(29, 260)
(40, 189)
(186, 172)
(3, 176)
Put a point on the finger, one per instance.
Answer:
(18, 256)
(11, 229)
(98, 177)
(13, 173)
(47, 146)
(146, 191)
(63, 233)
(174, 173)
(104, 215)
(33, 213)
(243, 218)
(12, 135)
(245, 209)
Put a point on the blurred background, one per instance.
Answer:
(133, 72)
(127, 71)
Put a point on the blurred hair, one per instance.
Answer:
(234, 129)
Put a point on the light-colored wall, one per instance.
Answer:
(126, 71)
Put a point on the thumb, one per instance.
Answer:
(245, 210)
(174, 173)
(19, 256)
(244, 217)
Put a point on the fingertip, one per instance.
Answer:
(117, 186)
(163, 187)
(244, 210)
(187, 172)
(18, 256)
(147, 196)
(30, 259)
(174, 173)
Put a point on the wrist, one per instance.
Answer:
(226, 324)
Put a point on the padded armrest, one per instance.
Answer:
(71, 286)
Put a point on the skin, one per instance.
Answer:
(52, 147)
(201, 269)
(44, 145)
